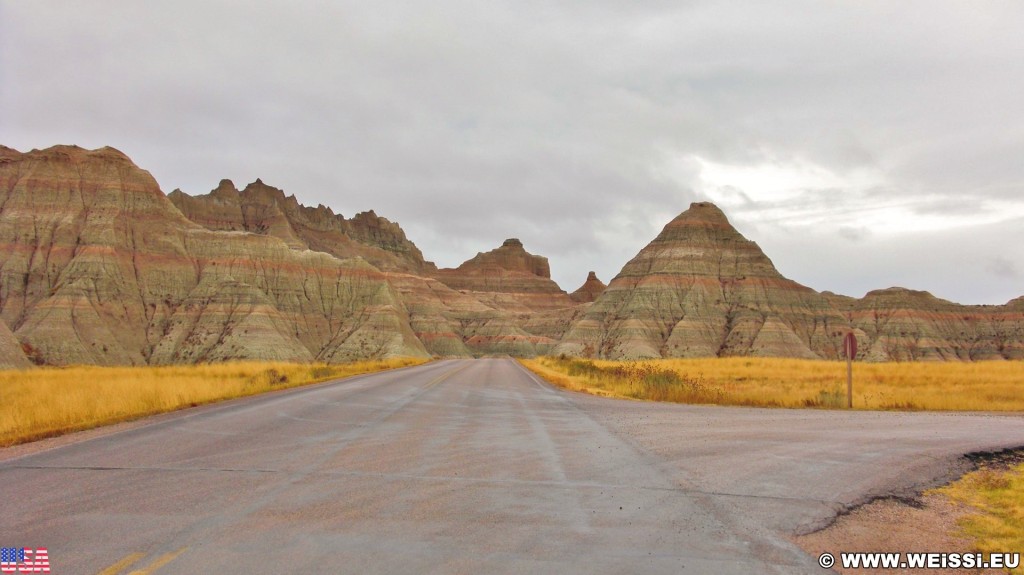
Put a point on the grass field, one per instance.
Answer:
(996, 500)
(46, 402)
(778, 382)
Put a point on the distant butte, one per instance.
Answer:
(589, 291)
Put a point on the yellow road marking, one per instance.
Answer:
(125, 562)
(160, 562)
(441, 377)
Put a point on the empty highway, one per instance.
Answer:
(468, 466)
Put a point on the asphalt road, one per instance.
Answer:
(469, 467)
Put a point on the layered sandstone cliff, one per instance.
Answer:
(909, 325)
(265, 210)
(97, 266)
(508, 277)
(498, 297)
(702, 289)
(475, 309)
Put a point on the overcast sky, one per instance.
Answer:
(861, 144)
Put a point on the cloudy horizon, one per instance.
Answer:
(861, 145)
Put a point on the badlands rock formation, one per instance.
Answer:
(97, 266)
(702, 289)
(499, 302)
(508, 277)
(908, 325)
(475, 309)
(265, 210)
(589, 291)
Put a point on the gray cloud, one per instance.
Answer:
(854, 234)
(1002, 267)
(572, 125)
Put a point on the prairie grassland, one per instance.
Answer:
(780, 382)
(46, 402)
(996, 500)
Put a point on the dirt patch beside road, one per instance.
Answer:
(894, 526)
(929, 524)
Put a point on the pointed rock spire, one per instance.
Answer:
(589, 291)
(701, 289)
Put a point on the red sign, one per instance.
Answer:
(850, 345)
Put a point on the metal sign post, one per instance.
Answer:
(850, 347)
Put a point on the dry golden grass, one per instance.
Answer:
(779, 382)
(996, 498)
(46, 402)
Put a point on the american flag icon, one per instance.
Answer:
(24, 560)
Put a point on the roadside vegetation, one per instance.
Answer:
(46, 402)
(995, 499)
(779, 382)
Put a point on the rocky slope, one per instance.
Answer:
(909, 325)
(97, 266)
(12, 356)
(702, 289)
(508, 277)
(263, 209)
(479, 308)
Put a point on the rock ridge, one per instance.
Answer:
(266, 210)
(97, 266)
